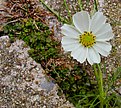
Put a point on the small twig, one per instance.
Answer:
(35, 25)
(12, 8)
(11, 22)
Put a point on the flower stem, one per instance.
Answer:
(95, 71)
(101, 86)
(95, 5)
(55, 13)
(80, 4)
(69, 13)
(99, 78)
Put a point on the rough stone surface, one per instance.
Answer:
(22, 81)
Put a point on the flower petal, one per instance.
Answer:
(103, 48)
(105, 28)
(70, 31)
(81, 21)
(89, 60)
(80, 53)
(96, 22)
(105, 36)
(68, 40)
(69, 44)
(93, 56)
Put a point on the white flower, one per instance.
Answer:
(86, 40)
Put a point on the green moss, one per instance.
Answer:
(36, 35)
(75, 84)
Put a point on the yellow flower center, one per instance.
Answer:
(87, 39)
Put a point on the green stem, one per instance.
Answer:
(55, 13)
(80, 4)
(95, 5)
(69, 14)
(95, 71)
(101, 86)
(99, 78)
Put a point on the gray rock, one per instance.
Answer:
(22, 80)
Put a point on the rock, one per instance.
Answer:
(23, 82)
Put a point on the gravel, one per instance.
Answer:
(22, 80)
